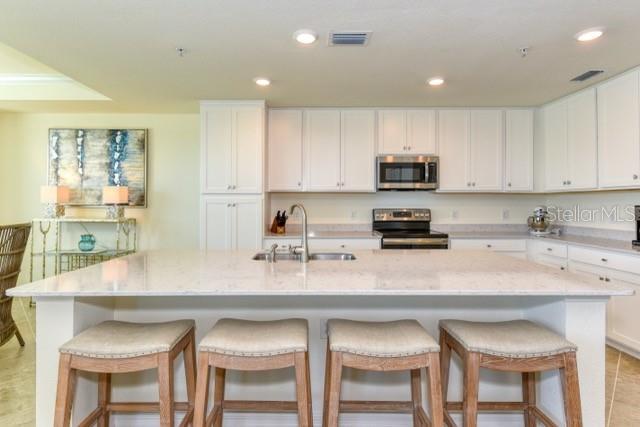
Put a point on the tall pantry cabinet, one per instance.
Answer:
(232, 140)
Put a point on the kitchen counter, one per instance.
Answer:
(587, 241)
(378, 285)
(414, 272)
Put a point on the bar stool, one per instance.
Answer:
(247, 345)
(382, 346)
(118, 347)
(513, 346)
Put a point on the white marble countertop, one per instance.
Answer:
(374, 272)
(587, 241)
(296, 233)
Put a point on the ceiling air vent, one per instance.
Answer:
(349, 38)
(586, 76)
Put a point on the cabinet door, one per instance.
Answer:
(392, 128)
(555, 145)
(582, 143)
(623, 314)
(453, 137)
(248, 136)
(619, 131)
(247, 223)
(216, 134)
(487, 150)
(519, 150)
(285, 150)
(358, 150)
(322, 150)
(421, 131)
(216, 223)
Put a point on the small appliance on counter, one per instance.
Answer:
(408, 229)
(539, 223)
(636, 243)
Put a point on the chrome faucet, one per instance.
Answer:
(272, 253)
(304, 256)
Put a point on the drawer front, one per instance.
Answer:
(551, 261)
(612, 260)
(498, 245)
(553, 249)
(343, 244)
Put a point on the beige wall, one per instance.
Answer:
(171, 218)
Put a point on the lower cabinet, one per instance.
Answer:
(231, 222)
(516, 248)
(338, 245)
(547, 253)
(623, 316)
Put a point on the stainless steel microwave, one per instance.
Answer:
(407, 173)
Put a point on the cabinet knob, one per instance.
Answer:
(550, 249)
(408, 148)
(228, 187)
(564, 182)
(568, 182)
(488, 246)
(343, 246)
(509, 185)
(299, 184)
(561, 268)
(606, 279)
(635, 176)
(604, 259)
(468, 184)
(343, 183)
(601, 278)
(473, 184)
(337, 184)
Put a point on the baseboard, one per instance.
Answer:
(290, 420)
(623, 348)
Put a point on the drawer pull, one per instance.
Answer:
(488, 246)
(606, 279)
(561, 268)
(604, 260)
(550, 249)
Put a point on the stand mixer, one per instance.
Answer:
(539, 223)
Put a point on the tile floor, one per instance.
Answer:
(17, 378)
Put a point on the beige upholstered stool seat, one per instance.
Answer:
(380, 339)
(515, 338)
(114, 340)
(250, 338)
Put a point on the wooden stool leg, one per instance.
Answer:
(470, 392)
(302, 389)
(327, 384)
(218, 396)
(309, 395)
(435, 390)
(202, 391)
(19, 337)
(104, 398)
(445, 363)
(189, 355)
(571, 389)
(335, 381)
(65, 392)
(416, 395)
(165, 386)
(529, 397)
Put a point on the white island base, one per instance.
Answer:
(581, 319)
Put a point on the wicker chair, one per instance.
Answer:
(13, 241)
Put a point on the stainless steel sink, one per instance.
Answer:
(332, 257)
(338, 256)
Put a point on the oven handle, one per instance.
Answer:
(415, 241)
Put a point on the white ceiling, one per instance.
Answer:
(126, 50)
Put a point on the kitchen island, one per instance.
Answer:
(377, 285)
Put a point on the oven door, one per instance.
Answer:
(407, 173)
(415, 243)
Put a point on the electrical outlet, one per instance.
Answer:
(505, 214)
(354, 214)
(454, 214)
(323, 329)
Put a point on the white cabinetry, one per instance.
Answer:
(513, 247)
(570, 138)
(232, 139)
(471, 147)
(551, 254)
(339, 150)
(231, 222)
(407, 132)
(518, 150)
(285, 150)
(619, 131)
(358, 150)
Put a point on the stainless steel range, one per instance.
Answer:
(408, 229)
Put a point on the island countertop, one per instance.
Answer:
(374, 272)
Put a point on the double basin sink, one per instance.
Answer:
(265, 256)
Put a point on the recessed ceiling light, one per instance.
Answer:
(305, 36)
(262, 81)
(436, 81)
(590, 34)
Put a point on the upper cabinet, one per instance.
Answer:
(570, 143)
(285, 150)
(322, 150)
(518, 150)
(358, 150)
(407, 132)
(471, 147)
(232, 139)
(619, 131)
